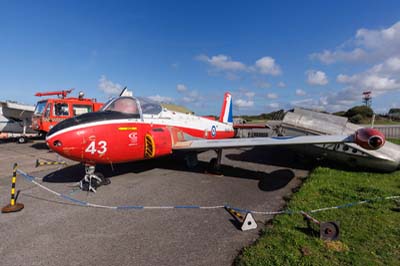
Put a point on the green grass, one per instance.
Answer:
(261, 121)
(384, 122)
(369, 233)
(395, 141)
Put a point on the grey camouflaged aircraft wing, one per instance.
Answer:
(205, 144)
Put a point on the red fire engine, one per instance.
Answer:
(50, 111)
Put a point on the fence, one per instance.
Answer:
(390, 131)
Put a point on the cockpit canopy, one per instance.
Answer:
(131, 105)
(123, 107)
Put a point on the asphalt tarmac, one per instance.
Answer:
(53, 231)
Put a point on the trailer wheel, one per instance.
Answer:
(21, 140)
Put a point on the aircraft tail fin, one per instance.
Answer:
(226, 115)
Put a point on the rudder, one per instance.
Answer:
(226, 115)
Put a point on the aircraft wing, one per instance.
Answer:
(206, 144)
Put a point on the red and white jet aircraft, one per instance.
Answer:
(132, 128)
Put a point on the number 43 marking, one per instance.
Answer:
(101, 149)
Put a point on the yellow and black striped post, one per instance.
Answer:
(13, 206)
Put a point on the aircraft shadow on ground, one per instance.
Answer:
(40, 146)
(267, 181)
(293, 158)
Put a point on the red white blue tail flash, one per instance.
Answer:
(226, 115)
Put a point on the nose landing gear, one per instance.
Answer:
(92, 179)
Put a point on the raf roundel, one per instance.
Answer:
(213, 131)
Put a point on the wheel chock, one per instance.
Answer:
(246, 223)
(13, 206)
(49, 162)
(327, 230)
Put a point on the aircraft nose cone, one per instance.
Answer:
(375, 142)
(54, 144)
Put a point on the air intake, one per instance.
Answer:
(149, 147)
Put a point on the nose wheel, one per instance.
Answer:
(92, 179)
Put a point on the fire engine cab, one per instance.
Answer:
(50, 111)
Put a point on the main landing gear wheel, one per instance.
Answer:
(191, 160)
(93, 180)
(214, 166)
(22, 140)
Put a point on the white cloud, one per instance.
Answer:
(300, 92)
(222, 62)
(109, 87)
(240, 103)
(328, 57)
(316, 77)
(267, 65)
(181, 88)
(341, 100)
(332, 101)
(193, 93)
(161, 99)
(243, 98)
(378, 46)
(273, 105)
(366, 45)
(231, 76)
(281, 84)
(380, 78)
(262, 84)
(308, 104)
(375, 39)
(389, 66)
(250, 94)
(191, 97)
(188, 96)
(243, 93)
(188, 99)
(374, 82)
(272, 96)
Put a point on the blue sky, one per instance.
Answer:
(268, 54)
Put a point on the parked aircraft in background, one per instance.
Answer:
(306, 122)
(15, 121)
(131, 128)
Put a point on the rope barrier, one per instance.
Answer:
(139, 207)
